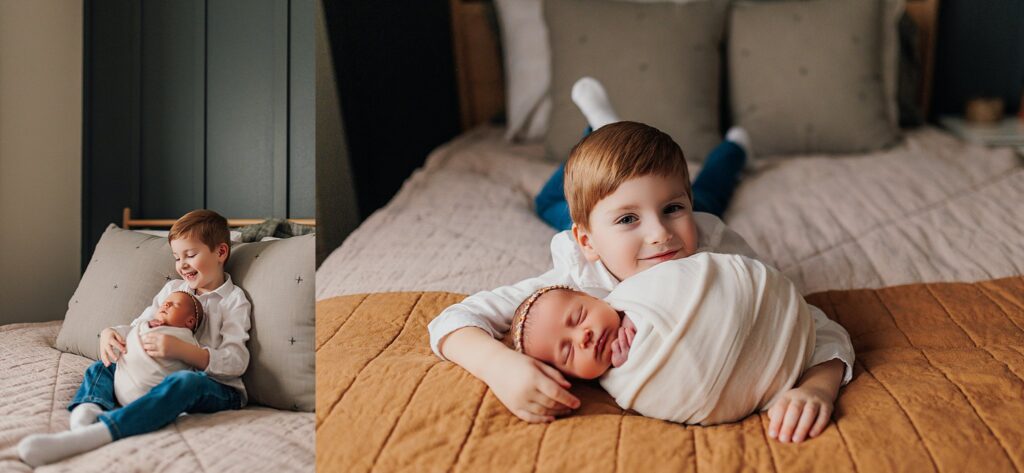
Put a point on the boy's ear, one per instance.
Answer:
(583, 239)
(222, 252)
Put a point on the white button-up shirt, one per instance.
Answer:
(492, 310)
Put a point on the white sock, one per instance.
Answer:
(739, 136)
(84, 414)
(588, 94)
(43, 449)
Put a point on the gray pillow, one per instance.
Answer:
(127, 269)
(658, 61)
(808, 76)
(278, 277)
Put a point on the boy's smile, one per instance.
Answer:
(646, 221)
(201, 267)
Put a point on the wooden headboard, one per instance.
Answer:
(478, 62)
(127, 222)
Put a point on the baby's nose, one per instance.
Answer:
(588, 336)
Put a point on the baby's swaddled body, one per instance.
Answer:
(137, 372)
(717, 338)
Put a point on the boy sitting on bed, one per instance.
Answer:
(705, 339)
(628, 192)
(201, 247)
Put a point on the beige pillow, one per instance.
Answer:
(658, 61)
(278, 277)
(808, 76)
(127, 269)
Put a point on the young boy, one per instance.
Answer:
(201, 247)
(628, 192)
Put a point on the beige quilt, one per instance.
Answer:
(39, 381)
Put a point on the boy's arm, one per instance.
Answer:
(489, 311)
(831, 342)
(231, 357)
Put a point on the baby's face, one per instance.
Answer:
(572, 332)
(176, 311)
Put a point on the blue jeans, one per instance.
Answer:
(712, 189)
(181, 391)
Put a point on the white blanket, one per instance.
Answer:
(137, 372)
(718, 337)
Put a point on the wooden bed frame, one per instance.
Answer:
(127, 222)
(478, 62)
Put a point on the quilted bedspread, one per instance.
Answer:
(931, 209)
(938, 386)
(39, 381)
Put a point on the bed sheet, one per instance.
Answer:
(38, 381)
(930, 209)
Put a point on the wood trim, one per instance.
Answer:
(925, 14)
(127, 222)
(478, 70)
(478, 62)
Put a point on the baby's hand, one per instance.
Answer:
(620, 347)
(798, 411)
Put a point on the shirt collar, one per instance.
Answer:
(224, 290)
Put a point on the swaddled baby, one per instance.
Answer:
(704, 340)
(137, 372)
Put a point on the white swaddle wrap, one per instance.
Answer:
(718, 337)
(137, 372)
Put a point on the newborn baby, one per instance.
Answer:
(704, 340)
(137, 372)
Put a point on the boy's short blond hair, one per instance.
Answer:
(204, 225)
(614, 154)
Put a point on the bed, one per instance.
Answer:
(917, 249)
(41, 373)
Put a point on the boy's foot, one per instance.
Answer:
(85, 414)
(588, 94)
(43, 449)
(740, 136)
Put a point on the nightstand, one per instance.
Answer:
(1008, 133)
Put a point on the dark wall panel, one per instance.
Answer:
(110, 115)
(246, 127)
(172, 107)
(302, 111)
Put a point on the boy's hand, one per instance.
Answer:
(161, 345)
(111, 346)
(530, 389)
(799, 411)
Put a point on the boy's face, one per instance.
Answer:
(201, 267)
(177, 311)
(572, 332)
(646, 221)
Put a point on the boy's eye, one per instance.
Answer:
(672, 208)
(626, 219)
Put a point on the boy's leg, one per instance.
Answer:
(550, 203)
(97, 387)
(718, 178)
(182, 391)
